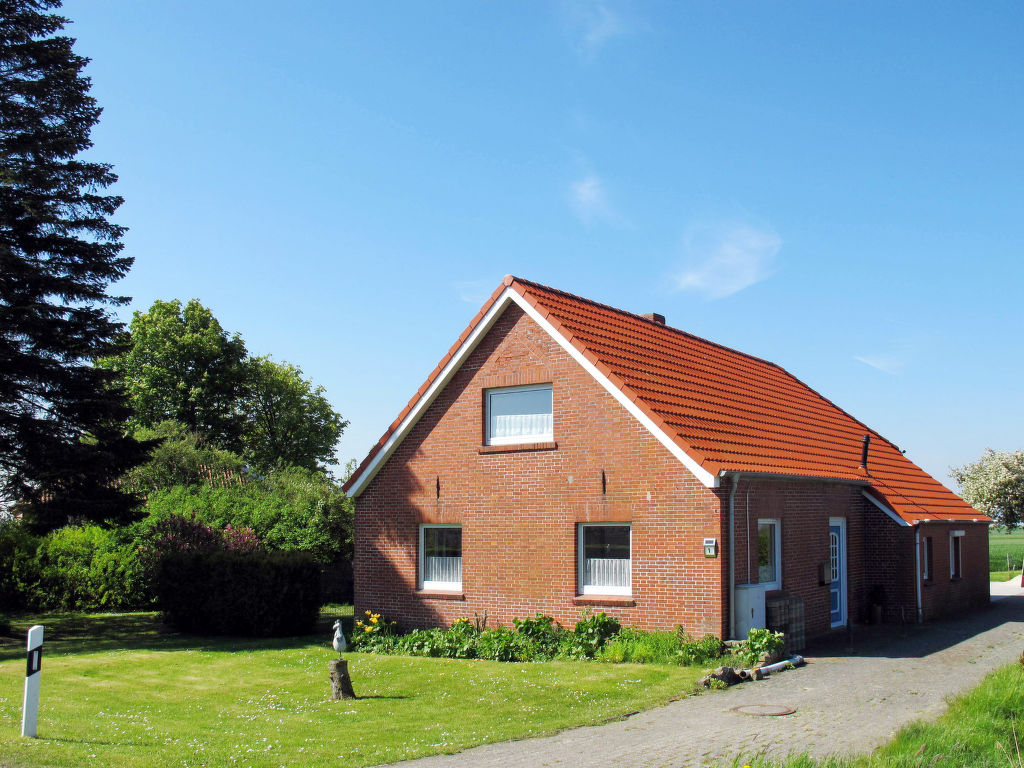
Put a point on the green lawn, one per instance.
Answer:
(117, 690)
(980, 730)
(1002, 545)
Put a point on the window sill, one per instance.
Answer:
(608, 600)
(431, 594)
(517, 447)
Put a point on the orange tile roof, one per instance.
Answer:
(729, 411)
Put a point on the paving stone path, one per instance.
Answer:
(845, 701)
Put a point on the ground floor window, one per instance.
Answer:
(927, 558)
(441, 557)
(605, 564)
(769, 554)
(956, 554)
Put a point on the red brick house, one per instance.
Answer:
(566, 454)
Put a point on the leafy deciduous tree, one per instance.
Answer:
(61, 442)
(181, 365)
(288, 419)
(994, 484)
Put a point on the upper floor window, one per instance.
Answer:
(519, 415)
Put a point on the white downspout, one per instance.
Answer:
(732, 556)
(917, 559)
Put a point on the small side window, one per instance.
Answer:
(519, 415)
(441, 557)
(927, 559)
(956, 555)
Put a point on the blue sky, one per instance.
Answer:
(837, 187)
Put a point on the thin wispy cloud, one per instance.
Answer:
(474, 291)
(593, 24)
(720, 261)
(891, 365)
(589, 200)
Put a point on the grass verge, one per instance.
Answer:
(119, 690)
(1005, 550)
(981, 729)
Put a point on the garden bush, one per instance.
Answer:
(18, 571)
(290, 509)
(250, 594)
(87, 568)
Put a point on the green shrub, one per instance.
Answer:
(592, 632)
(18, 570)
(543, 631)
(759, 643)
(250, 594)
(87, 568)
(291, 509)
(701, 652)
(504, 644)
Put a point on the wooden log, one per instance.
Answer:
(341, 683)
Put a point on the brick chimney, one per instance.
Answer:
(654, 317)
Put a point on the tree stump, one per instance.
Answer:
(341, 683)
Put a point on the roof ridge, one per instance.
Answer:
(638, 316)
(688, 334)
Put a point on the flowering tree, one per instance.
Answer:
(994, 484)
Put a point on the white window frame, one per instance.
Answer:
(517, 440)
(436, 586)
(777, 583)
(956, 555)
(586, 589)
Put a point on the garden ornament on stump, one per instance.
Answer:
(341, 683)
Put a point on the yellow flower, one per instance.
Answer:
(367, 629)
(368, 613)
(373, 619)
(359, 623)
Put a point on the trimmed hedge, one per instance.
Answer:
(247, 594)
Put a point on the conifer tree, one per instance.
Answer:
(61, 439)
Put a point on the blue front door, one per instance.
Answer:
(837, 564)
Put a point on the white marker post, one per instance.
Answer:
(30, 708)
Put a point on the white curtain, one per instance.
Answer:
(522, 425)
(443, 569)
(606, 572)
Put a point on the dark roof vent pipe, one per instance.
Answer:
(864, 451)
(654, 317)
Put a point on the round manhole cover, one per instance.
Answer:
(764, 710)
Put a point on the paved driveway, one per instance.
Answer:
(846, 701)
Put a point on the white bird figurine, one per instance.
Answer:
(339, 638)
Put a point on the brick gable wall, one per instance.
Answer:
(519, 510)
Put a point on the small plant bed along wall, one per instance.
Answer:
(595, 636)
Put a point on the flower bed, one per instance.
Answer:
(541, 638)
